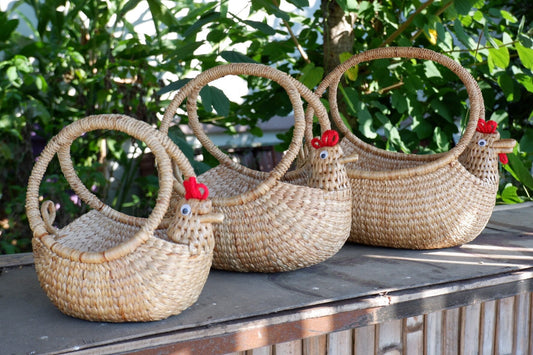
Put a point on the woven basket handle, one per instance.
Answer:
(61, 144)
(477, 109)
(293, 88)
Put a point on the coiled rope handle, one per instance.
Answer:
(61, 144)
(294, 90)
(331, 81)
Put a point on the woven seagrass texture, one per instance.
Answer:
(272, 220)
(107, 266)
(420, 201)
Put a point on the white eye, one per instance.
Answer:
(323, 154)
(482, 142)
(186, 210)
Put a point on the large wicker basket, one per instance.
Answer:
(272, 223)
(108, 266)
(421, 201)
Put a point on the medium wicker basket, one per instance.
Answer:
(108, 266)
(421, 201)
(272, 221)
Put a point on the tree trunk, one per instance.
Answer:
(338, 38)
(338, 33)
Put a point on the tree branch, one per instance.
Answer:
(294, 39)
(407, 22)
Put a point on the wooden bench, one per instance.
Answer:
(473, 299)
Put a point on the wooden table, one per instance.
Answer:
(476, 298)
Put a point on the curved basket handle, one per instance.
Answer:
(62, 141)
(94, 202)
(477, 109)
(294, 89)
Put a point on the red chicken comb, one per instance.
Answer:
(329, 139)
(486, 127)
(194, 189)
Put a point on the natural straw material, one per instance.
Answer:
(420, 201)
(272, 224)
(107, 266)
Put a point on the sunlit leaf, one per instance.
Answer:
(508, 16)
(311, 75)
(526, 55)
(510, 196)
(352, 72)
(499, 57)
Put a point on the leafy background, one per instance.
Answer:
(85, 57)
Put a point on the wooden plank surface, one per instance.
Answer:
(364, 340)
(470, 321)
(505, 325)
(363, 276)
(488, 328)
(413, 335)
(340, 342)
(451, 337)
(433, 333)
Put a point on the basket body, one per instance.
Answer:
(443, 208)
(421, 201)
(159, 279)
(289, 227)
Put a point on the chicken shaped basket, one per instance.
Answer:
(271, 223)
(421, 201)
(108, 266)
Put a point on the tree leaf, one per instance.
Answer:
(508, 16)
(205, 19)
(399, 102)
(510, 196)
(462, 36)
(525, 80)
(507, 84)
(176, 85)
(218, 100)
(261, 26)
(256, 131)
(499, 57)
(311, 75)
(299, 3)
(524, 176)
(271, 9)
(463, 6)
(526, 143)
(526, 55)
(349, 5)
(352, 72)
(236, 57)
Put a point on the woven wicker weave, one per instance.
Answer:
(107, 266)
(420, 201)
(270, 223)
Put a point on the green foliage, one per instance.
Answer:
(85, 57)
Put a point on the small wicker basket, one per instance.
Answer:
(108, 266)
(421, 201)
(273, 222)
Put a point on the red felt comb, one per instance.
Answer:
(329, 139)
(486, 127)
(194, 189)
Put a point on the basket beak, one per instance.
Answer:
(504, 145)
(211, 218)
(348, 158)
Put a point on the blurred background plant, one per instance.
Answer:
(77, 58)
